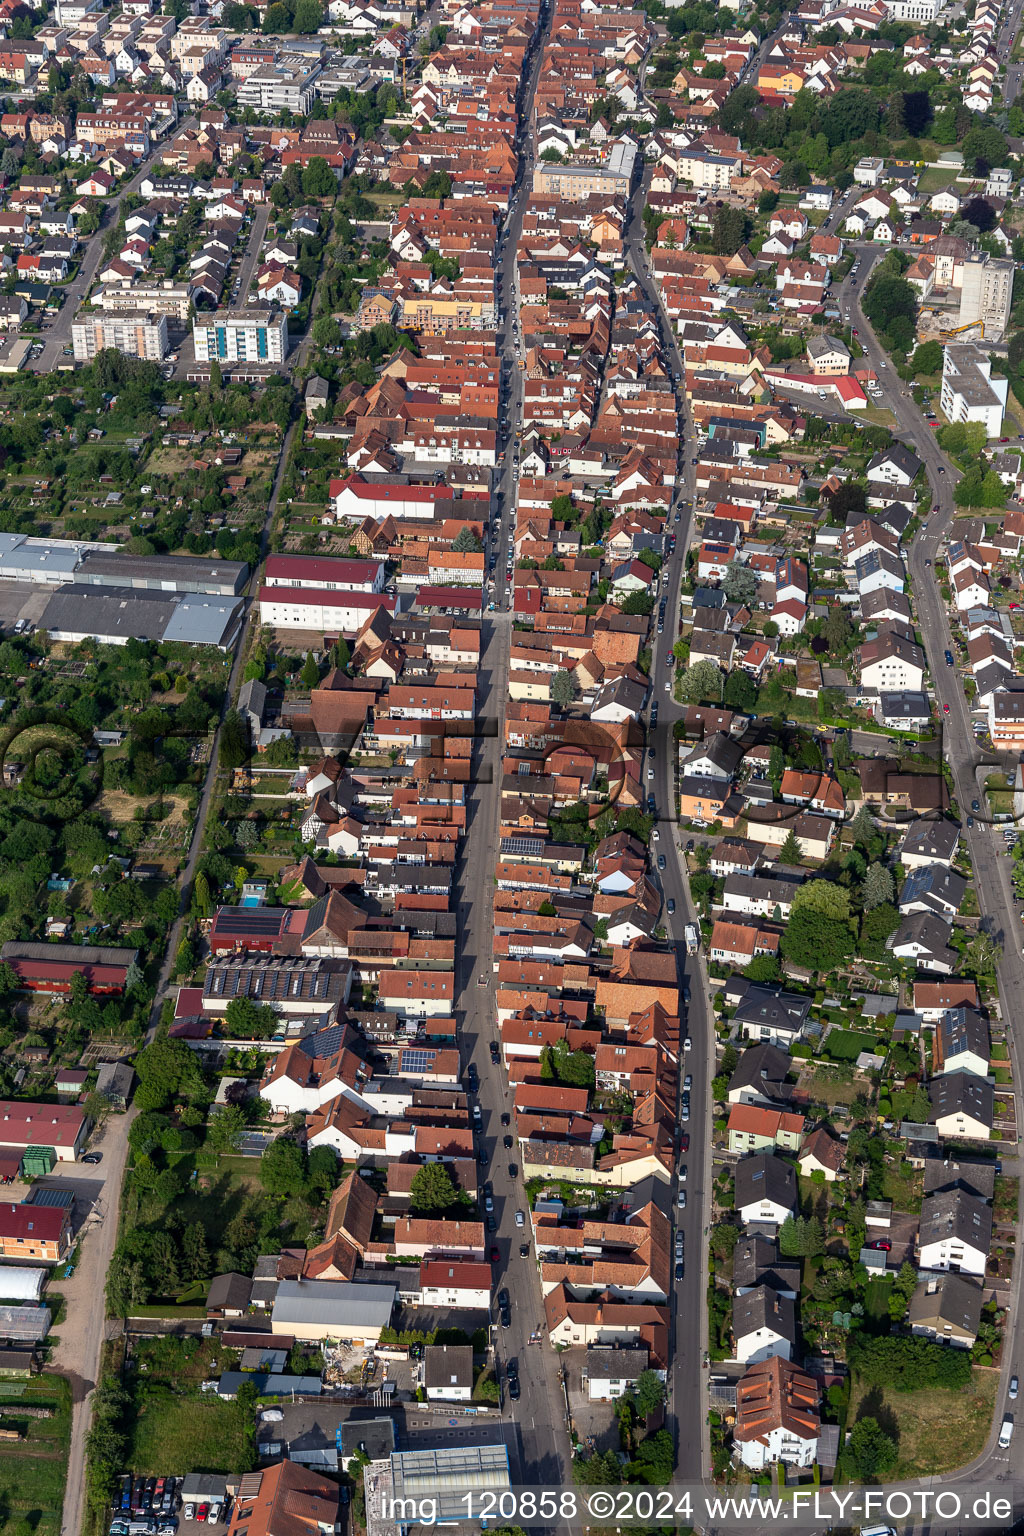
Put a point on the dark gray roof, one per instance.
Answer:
(756, 1261)
(949, 1298)
(765, 1177)
(448, 1365)
(763, 1308)
(763, 1068)
(937, 887)
(229, 1291)
(929, 931)
(962, 1093)
(898, 454)
(773, 1006)
(975, 1175)
(956, 1214)
(959, 1031)
(931, 838)
(615, 1364)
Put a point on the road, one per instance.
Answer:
(686, 1396)
(959, 749)
(59, 334)
(539, 1413)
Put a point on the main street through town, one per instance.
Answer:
(968, 763)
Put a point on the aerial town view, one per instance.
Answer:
(511, 766)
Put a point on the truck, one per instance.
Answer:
(692, 937)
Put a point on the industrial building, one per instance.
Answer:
(52, 562)
(115, 615)
(317, 1310)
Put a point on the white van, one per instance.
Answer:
(1006, 1431)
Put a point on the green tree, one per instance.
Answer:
(648, 1393)
(879, 886)
(195, 1254)
(729, 230)
(310, 673)
(825, 897)
(869, 1451)
(739, 583)
(283, 1168)
(701, 682)
(927, 359)
(816, 942)
(740, 692)
(226, 1129)
(862, 828)
(791, 851)
(466, 541)
(432, 1190)
(234, 741)
(563, 688)
(318, 180)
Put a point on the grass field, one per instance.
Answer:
(175, 1434)
(177, 1428)
(32, 1470)
(938, 1430)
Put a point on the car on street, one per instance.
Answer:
(507, 1143)
(687, 1082)
(490, 1223)
(687, 1044)
(495, 1053)
(504, 1309)
(975, 805)
(495, 1253)
(506, 1119)
(686, 1109)
(670, 905)
(661, 861)
(945, 709)
(949, 658)
(682, 1172)
(681, 1199)
(513, 1381)
(520, 1219)
(1014, 1388)
(679, 1269)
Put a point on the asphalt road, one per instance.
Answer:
(686, 1395)
(59, 333)
(990, 864)
(539, 1413)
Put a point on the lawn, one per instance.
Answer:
(846, 1044)
(32, 1469)
(903, 1189)
(827, 1087)
(937, 1430)
(876, 1299)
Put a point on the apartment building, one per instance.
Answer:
(171, 299)
(241, 336)
(986, 293)
(134, 334)
(288, 83)
(969, 392)
(577, 180)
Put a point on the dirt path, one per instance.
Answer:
(83, 1330)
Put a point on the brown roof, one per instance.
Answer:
(290, 1501)
(776, 1395)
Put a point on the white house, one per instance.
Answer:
(955, 1232)
(765, 1189)
(448, 1372)
(455, 1283)
(763, 1325)
(778, 1415)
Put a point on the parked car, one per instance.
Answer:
(189, 1512)
(202, 1512)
